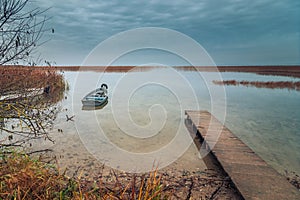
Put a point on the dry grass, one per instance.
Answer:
(26, 111)
(26, 82)
(260, 84)
(18, 79)
(22, 177)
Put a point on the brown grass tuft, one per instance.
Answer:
(22, 177)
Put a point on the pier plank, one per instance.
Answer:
(251, 175)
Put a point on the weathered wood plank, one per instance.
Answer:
(252, 176)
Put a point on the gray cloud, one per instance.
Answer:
(231, 27)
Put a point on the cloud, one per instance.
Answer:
(217, 24)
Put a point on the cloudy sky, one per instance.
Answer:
(233, 32)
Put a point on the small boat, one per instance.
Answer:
(94, 107)
(96, 98)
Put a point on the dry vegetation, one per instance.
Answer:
(259, 84)
(292, 71)
(27, 105)
(18, 79)
(22, 177)
(288, 70)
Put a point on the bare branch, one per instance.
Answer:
(20, 30)
(26, 112)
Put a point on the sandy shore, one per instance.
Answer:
(189, 175)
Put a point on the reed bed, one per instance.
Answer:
(28, 97)
(18, 79)
(260, 84)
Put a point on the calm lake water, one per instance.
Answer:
(145, 114)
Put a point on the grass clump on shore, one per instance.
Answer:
(23, 177)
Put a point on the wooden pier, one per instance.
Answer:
(251, 175)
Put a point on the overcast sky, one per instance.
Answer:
(233, 32)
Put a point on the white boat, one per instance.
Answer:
(97, 97)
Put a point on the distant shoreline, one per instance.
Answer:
(277, 70)
(288, 70)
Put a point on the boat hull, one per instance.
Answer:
(94, 102)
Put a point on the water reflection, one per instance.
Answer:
(264, 119)
(143, 120)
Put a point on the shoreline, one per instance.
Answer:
(293, 71)
(188, 175)
(277, 70)
(71, 154)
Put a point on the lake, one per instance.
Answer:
(143, 121)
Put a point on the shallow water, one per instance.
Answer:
(144, 119)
